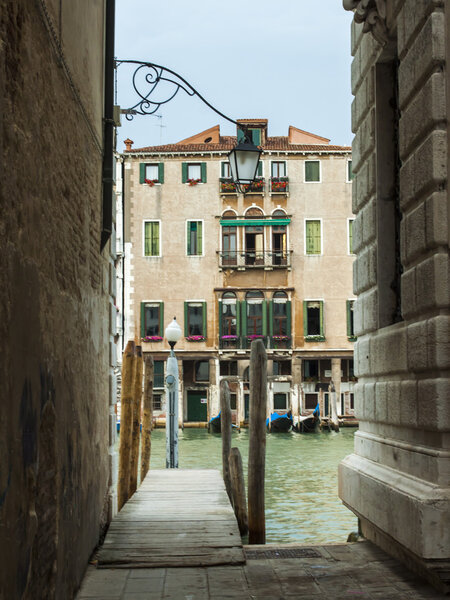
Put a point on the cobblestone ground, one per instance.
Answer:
(359, 570)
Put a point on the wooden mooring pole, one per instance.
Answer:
(137, 408)
(126, 418)
(146, 442)
(257, 443)
(225, 426)
(238, 490)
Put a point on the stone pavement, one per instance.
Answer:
(355, 570)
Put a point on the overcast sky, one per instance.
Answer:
(287, 61)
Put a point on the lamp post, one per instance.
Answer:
(173, 334)
(244, 157)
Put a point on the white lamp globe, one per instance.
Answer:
(173, 332)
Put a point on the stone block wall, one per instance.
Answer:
(55, 296)
(397, 480)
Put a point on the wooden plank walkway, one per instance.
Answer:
(177, 518)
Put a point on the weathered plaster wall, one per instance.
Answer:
(397, 480)
(54, 287)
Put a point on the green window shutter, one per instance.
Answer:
(288, 318)
(264, 317)
(155, 239)
(238, 317)
(204, 319)
(161, 172)
(142, 319)
(271, 318)
(186, 305)
(220, 317)
(322, 331)
(256, 136)
(240, 136)
(305, 318)
(349, 171)
(161, 319)
(188, 237)
(350, 236)
(203, 171)
(184, 171)
(313, 237)
(244, 317)
(259, 170)
(199, 237)
(312, 170)
(142, 172)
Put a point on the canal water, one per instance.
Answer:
(302, 503)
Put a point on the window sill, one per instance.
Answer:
(352, 338)
(314, 338)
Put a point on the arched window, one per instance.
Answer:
(255, 314)
(229, 239)
(254, 237)
(279, 239)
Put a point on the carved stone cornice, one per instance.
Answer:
(373, 14)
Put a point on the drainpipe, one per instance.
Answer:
(108, 127)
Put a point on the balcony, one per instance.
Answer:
(243, 342)
(227, 187)
(279, 186)
(257, 187)
(254, 259)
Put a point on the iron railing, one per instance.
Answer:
(233, 259)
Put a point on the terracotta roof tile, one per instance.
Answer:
(227, 142)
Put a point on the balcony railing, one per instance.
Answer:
(227, 186)
(279, 185)
(257, 187)
(243, 342)
(254, 259)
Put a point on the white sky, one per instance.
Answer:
(287, 61)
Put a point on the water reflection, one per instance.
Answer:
(302, 504)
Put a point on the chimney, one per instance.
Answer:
(128, 143)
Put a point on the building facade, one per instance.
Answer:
(398, 480)
(275, 264)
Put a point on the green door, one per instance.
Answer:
(197, 406)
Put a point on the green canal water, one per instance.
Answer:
(302, 503)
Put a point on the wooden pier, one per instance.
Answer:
(177, 518)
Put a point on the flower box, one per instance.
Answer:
(151, 182)
(152, 338)
(195, 338)
(227, 186)
(255, 337)
(279, 184)
(229, 337)
(193, 181)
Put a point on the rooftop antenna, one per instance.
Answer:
(161, 127)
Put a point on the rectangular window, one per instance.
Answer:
(225, 170)
(313, 236)
(158, 374)
(350, 236)
(310, 369)
(152, 238)
(311, 401)
(280, 401)
(194, 238)
(151, 173)
(195, 320)
(349, 171)
(350, 320)
(278, 168)
(157, 401)
(233, 400)
(202, 370)
(228, 368)
(313, 319)
(281, 367)
(193, 173)
(352, 400)
(152, 319)
(255, 135)
(312, 170)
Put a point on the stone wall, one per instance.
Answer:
(397, 480)
(54, 297)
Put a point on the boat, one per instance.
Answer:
(214, 424)
(309, 423)
(280, 423)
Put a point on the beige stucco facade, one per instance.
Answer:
(173, 277)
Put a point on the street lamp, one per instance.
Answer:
(244, 157)
(173, 334)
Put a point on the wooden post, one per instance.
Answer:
(126, 418)
(225, 426)
(136, 433)
(146, 443)
(238, 490)
(257, 443)
(334, 416)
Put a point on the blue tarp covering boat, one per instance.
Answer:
(214, 424)
(280, 422)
